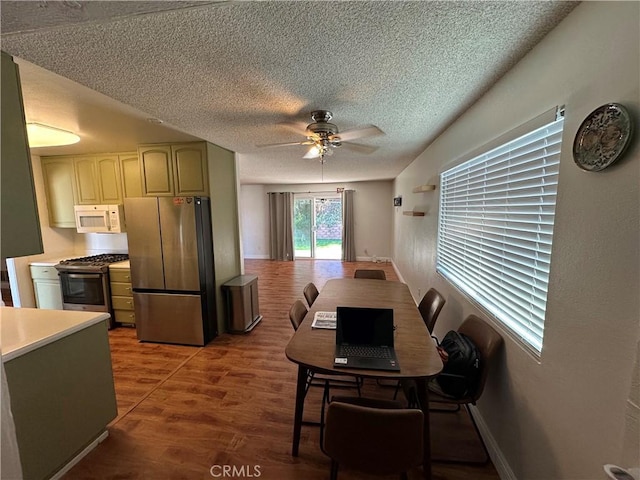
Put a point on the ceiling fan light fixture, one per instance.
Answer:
(45, 136)
(323, 137)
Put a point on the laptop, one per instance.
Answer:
(364, 339)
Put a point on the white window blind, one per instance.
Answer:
(496, 228)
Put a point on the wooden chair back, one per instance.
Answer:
(373, 440)
(430, 307)
(297, 313)
(373, 274)
(310, 293)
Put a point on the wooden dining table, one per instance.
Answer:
(313, 349)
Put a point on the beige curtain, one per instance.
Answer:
(281, 229)
(348, 241)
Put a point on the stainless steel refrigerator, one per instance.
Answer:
(171, 255)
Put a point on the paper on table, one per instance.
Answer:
(324, 320)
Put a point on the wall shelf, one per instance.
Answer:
(424, 188)
(411, 213)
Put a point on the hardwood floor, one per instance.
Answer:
(183, 410)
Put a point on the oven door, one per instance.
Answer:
(85, 291)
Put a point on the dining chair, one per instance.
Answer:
(297, 312)
(430, 307)
(373, 274)
(372, 436)
(310, 293)
(488, 341)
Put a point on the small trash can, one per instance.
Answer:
(243, 310)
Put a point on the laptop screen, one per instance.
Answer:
(364, 326)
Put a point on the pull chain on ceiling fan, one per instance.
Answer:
(323, 137)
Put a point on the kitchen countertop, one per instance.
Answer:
(123, 264)
(51, 262)
(26, 329)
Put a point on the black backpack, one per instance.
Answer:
(461, 373)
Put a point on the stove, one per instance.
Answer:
(94, 263)
(85, 283)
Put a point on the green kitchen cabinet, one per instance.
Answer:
(109, 185)
(98, 179)
(174, 170)
(60, 380)
(86, 180)
(20, 222)
(190, 172)
(156, 170)
(130, 175)
(60, 188)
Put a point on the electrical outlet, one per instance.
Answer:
(419, 293)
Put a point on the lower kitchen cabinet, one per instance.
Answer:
(46, 286)
(59, 377)
(121, 295)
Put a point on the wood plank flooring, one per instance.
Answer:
(183, 410)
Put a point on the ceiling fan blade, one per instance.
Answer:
(312, 153)
(271, 145)
(360, 132)
(298, 127)
(360, 148)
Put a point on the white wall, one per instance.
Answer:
(254, 216)
(373, 206)
(561, 417)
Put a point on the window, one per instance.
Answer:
(496, 227)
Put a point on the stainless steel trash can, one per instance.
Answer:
(243, 310)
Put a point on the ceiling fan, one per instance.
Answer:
(322, 137)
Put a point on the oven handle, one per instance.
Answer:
(83, 275)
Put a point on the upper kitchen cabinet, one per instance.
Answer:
(60, 187)
(190, 172)
(98, 180)
(130, 175)
(19, 216)
(156, 170)
(174, 170)
(109, 185)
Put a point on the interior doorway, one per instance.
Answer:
(317, 226)
(5, 288)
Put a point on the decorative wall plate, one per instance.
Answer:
(602, 138)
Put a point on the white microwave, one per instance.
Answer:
(99, 218)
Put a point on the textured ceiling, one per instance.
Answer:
(231, 72)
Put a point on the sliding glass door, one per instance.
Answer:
(317, 226)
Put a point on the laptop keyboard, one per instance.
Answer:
(364, 351)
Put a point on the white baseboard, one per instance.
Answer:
(101, 438)
(395, 268)
(257, 257)
(370, 259)
(498, 459)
